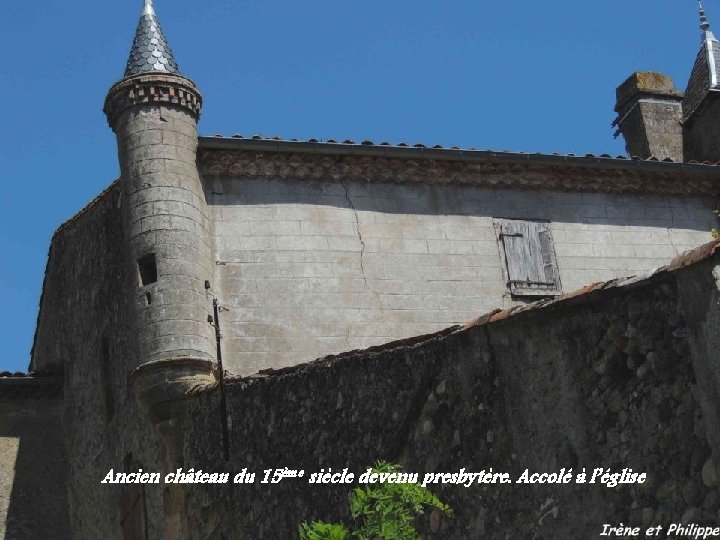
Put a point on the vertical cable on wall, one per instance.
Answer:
(223, 399)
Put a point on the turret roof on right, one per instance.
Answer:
(704, 76)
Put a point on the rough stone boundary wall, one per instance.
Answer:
(620, 375)
(84, 331)
(33, 467)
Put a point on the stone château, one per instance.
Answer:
(181, 307)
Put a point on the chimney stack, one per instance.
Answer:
(649, 111)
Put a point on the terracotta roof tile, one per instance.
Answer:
(694, 256)
(418, 145)
(483, 319)
(688, 258)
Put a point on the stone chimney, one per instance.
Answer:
(649, 111)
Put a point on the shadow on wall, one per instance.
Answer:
(642, 210)
(33, 490)
(354, 264)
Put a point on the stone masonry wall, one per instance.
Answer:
(33, 466)
(654, 129)
(85, 329)
(610, 378)
(307, 268)
(702, 132)
(165, 218)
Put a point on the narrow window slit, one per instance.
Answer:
(147, 267)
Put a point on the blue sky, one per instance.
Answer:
(524, 75)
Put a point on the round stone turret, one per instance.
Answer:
(153, 112)
(152, 89)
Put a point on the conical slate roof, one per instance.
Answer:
(704, 77)
(150, 51)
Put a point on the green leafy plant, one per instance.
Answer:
(318, 530)
(384, 511)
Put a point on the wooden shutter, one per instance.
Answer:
(530, 266)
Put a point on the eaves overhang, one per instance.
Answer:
(447, 154)
(257, 157)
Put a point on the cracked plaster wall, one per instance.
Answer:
(611, 379)
(308, 268)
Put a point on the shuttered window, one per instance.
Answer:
(529, 262)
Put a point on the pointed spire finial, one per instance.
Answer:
(704, 24)
(148, 8)
(150, 51)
